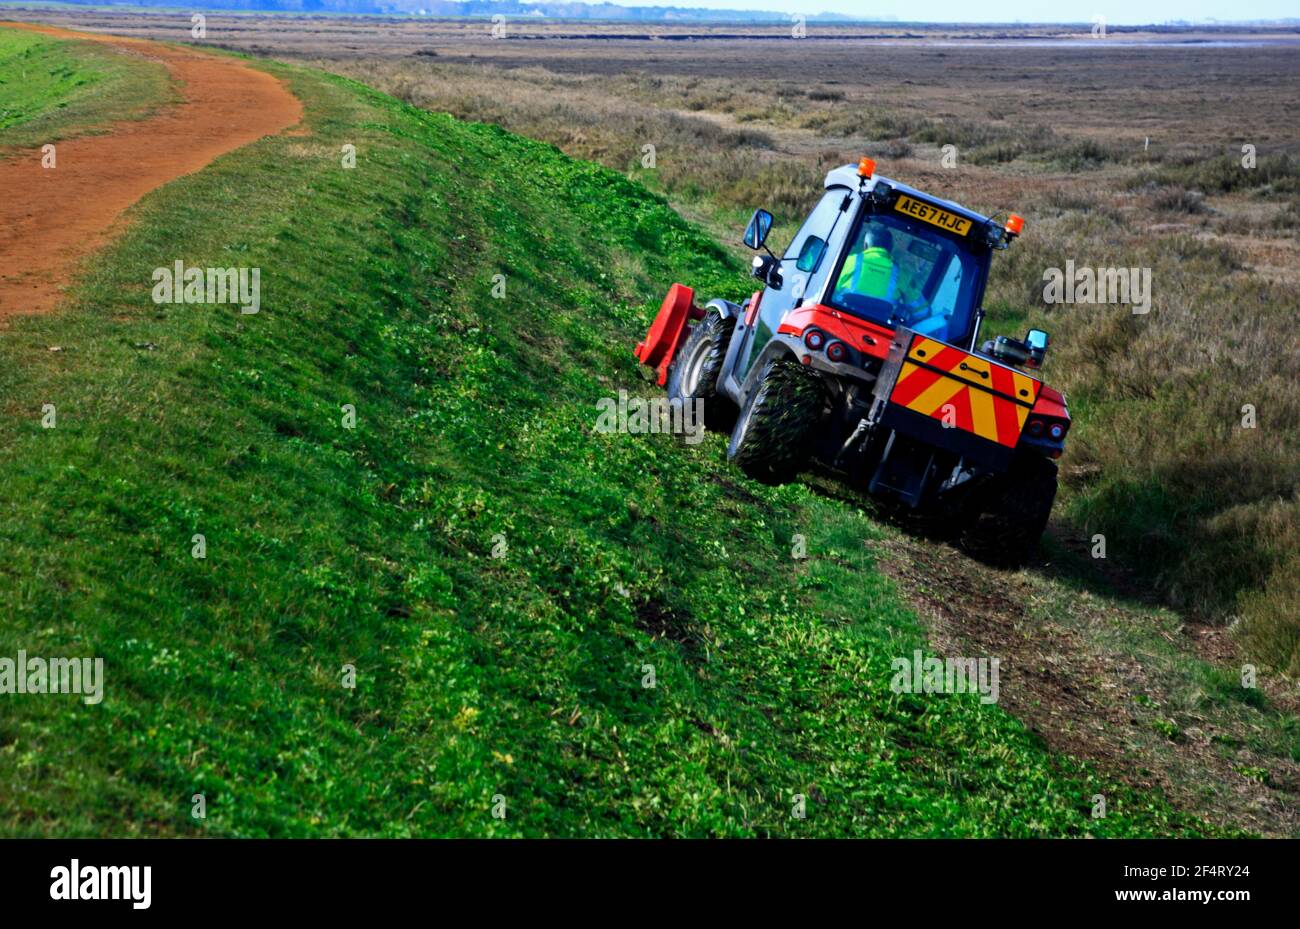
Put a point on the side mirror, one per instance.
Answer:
(810, 256)
(760, 224)
(1036, 341)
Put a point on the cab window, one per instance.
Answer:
(819, 223)
(903, 273)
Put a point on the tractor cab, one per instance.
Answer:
(884, 253)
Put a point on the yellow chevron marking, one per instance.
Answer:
(924, 349)
(908, 369)
(1025, 382)
(934, 396)
(974, 367)
(982, 415)
(983, 405)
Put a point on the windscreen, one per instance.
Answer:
(900, 272)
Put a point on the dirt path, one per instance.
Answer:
(1083, 670)
(50, 219)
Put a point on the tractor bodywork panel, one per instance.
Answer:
(954, 400)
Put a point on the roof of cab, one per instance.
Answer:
(847, 176)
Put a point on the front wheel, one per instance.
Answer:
(771, 439)
(695, 372)
(1008, 523)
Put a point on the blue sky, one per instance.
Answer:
(1138, 11)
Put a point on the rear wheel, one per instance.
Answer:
(1010, 520)
(695, 371)
(770, 441)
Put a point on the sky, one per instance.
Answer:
(1003, 11)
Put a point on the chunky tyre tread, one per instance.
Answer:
(770, 441)
(711, 335)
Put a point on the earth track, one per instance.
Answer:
(53, 218)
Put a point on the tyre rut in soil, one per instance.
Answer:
(694, 375)
(770, 441)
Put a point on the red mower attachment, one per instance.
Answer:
(668, 330)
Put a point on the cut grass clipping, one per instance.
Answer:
(51, 89)
(505, 581)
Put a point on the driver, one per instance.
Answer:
(870, 270)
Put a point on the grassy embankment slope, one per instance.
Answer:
(1195, 506)
(51, 89)
(519, 676)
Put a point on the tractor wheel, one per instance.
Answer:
(695, 371)
(770, 441)
(1009, 521)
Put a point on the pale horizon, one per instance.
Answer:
(1028, 12)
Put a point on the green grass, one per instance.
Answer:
(477, 676)
(51, 89)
